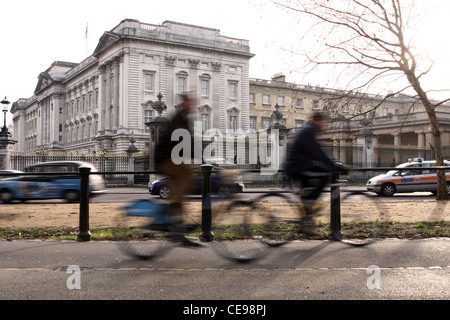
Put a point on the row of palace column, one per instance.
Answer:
(110, 93)
(368, 149)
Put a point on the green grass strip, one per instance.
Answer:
(354, 230)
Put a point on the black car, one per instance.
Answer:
(221, 185)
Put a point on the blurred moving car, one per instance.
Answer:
(417, 177)
(9, 173)
(52, 185)
(223, 183)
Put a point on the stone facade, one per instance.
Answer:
(98, 104)
(365, 129)
(101, 103)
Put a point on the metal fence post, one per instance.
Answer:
(206, 234)
(335, 209)
(84, 234)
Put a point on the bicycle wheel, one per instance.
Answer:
(234, 235)
(141, 230)
(365, 214)
(279, 216)
(244, 230)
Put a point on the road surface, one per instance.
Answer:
(303, 270)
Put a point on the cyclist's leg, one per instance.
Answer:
(314, 180)
(181, 177)
(313, 183)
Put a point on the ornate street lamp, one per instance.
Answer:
(159, 105)
(4, 103)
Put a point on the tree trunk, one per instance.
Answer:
(442, 192)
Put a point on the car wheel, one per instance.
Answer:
(71, 196)
(165, 192)
(388, 190)
(5, 196)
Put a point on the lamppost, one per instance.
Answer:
(365, 138)
(156, 126)
(4, 103)
(6, 143)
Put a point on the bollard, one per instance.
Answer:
(84, 234)
(206, 234)
(335, 209)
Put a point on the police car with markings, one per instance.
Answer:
(415, 177)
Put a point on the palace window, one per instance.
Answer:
(181, 84)
(205, 87)
(149, 79)
(233, 86)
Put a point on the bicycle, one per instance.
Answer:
(245, 229)
(145, 231)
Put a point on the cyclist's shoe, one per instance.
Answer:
(185, 241)
(308, 227)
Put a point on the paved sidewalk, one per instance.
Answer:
(387, 269)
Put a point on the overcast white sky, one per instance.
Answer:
(37, 33)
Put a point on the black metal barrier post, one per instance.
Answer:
(84, 234)
(206, 234)
(335, 209)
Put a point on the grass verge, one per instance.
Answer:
(360, 230)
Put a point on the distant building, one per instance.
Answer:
(365, 129)
(98, 104)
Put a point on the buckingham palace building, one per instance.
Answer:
(98, 105)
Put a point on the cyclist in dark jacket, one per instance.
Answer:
(307, 162)
(180, 174)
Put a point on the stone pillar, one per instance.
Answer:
(420, 144)
(365, 147)
(355, 151)
(131, 151)
(6, 148)
(343, 151)
(336, 148)
(108, 102)
(115, 104)
(376, 150)
(102, 70)
(397, 146)
(156, 126)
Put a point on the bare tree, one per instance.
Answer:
(376, 39)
